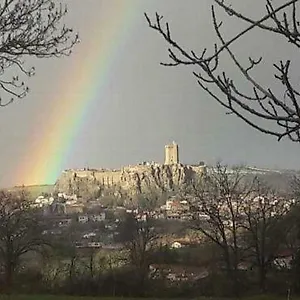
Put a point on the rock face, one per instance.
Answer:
(134, 180)
(130, 180)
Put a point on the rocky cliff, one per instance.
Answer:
(130, 180)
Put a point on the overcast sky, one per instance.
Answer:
(147, 105)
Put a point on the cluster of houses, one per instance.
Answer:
(83, 219)
(87, 235)
(175, 208)
(42, 201)
(62, 203)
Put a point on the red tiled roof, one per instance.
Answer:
(285, 253)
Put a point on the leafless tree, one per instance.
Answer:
(151, 199)
(244, 217)
(29, 28)
(265, 109)
(268, 221)
(19, 233)
(139, 239)
(219, 203)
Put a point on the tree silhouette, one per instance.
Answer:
(263, 108)
(29, 28)
(20, 233)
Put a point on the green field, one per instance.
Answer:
(34, 190)
(49, 297)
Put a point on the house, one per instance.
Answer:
(181, 244)
(83, 219)
(283, 259)
(94, 245)
(64, 222)
(173, 216)
(176, 245)
(175, 273)
(89, 235)
(113, 246)
(74, 208)
(41, 201)
(142, 217)
(79, 245)
(111, 227)
(203, 217)
(176, 205)
(52, 232)
(67, 197)
(100, 217)
(244, 266)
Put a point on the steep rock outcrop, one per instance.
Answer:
(130, 180)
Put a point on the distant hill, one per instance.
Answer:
(275, 178)
(278, 179)
(34, 190)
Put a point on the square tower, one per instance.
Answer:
(171, 154)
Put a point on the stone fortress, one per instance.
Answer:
(131, 179)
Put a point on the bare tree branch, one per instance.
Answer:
(263, 108)
(30, 28)
(19, 233)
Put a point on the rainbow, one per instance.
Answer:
(81, 87)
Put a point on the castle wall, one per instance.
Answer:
(108, 178)
(131, 179)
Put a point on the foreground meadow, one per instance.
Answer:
(49, 297)
(62, 297)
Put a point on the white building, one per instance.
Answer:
(98, 217)
(83, 219)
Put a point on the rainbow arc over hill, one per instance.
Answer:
(80, 87)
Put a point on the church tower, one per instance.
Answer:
(171, 154)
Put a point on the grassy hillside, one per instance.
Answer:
(34, 190)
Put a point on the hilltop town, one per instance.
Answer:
(81, 190)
